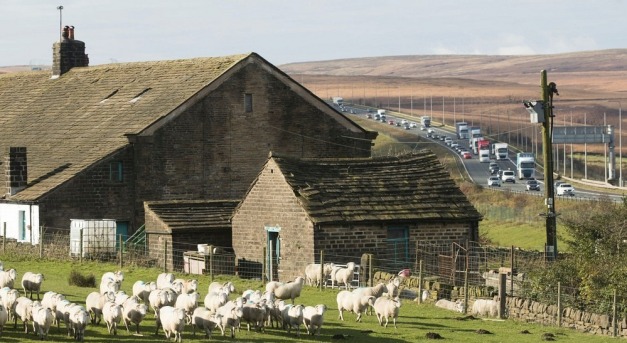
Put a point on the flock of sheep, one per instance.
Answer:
(175, 304)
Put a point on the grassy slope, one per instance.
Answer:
(414, 322)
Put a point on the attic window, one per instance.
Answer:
(108, 96)
(248, 102)
(138, 96)
(116, 172)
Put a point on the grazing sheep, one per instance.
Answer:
(188, 303)
(312, 273)
(292, 317)
(142, 290)
(231, 315)
(7, 278)
(387, 308)
(120, 297)
(62, 314)
(8, 298)
(213, 301)
(161, 297)
(392, 287)
(133, 313)
(205, 320)
(313, 317)
(343, 276)
(375, 291)
(31, 282)
(79, 318)
(94, 304)
(290, 290)
(165, 280)
(172, 320)
(187, 286)
(4, 317)
(485, 308)
(112, 314)
(50, 300)
(255, 313)
(355, 303)
(23, 310)
(42, 320)
(115, 276)
(274, 313)
(226, 287)
(446, 304)
(109, 285)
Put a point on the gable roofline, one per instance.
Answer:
(272, 69)
(405, 188)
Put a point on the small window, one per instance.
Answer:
(116, 172)
(248, 102)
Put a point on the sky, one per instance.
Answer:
(287, 31)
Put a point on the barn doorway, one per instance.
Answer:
(273, 252)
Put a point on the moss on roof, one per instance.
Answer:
(194, 214)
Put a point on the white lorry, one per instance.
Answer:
(499, 150)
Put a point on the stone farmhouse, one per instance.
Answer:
(92, 142)
(347, 207)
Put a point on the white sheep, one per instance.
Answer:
(446, 304)
(343, 276)
(4, 317)
(312, 273)
(115, 276)
(24, 310)
(109, 285)
(142, 290)
(231, 315)
(213, 301)
(172, 320)
(292, 317)
(42, 319)
(392, 286)
(188, 303)
(387, 308)
(120, 297)
(31, 282)
(274, 312)
(485, 308)
(161, 297)
(133, 313)
(290, 290)
(355, 303)
(94, 304)
(205, 320)
(313, 317)
(165, 280)
(79, 319)
(375, 291)
(50, 300)
(226, 287)
(112, 314)
(255, 313)
(8, 298)
(7, 278)
(62, 313)
(187, 285)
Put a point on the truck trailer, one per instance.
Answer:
(525, 165)
(425, 121)
(338, 101)
(461, 128)
(499, 150)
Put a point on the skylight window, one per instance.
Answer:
(138, 96)
(108, 96)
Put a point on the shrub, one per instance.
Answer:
(80, 280)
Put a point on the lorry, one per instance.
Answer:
(381, 112)
(461, 128)
(338, 101)
(425, 121)
(482, 145)
(499, 150)
(473, 132)
(525, 165)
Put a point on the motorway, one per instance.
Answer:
(477, 171)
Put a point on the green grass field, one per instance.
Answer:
(414, 322)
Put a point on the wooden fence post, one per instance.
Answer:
(559, 304)
(41, 241)
(264, 266)
(614, 321)
(121, 250)
(211, 262)
(80, 247)
(511, 279)
(502, 294)
(370, 280)
(323, 282)
(420, 283)
(165, 255)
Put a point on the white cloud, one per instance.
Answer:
(515, 50)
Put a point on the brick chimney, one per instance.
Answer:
(16, 170)
(68, 53)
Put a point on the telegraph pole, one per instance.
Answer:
(548, 90)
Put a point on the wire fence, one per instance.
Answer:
(459, 270)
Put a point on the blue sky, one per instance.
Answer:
(285, 31)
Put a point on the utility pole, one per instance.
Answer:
(542, 112)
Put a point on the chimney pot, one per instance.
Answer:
(66, 32)
(72, 32)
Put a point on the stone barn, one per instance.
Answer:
(347, 207)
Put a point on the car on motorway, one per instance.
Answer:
(430, 131)
(532, 185)
(494, 181)
(442, 137)
(406, 126)
(429, 135)
(448, 140)
(493, 168)
(391, 122)
(565, 189)
(508, 176)
(466, 155)
(454, 145)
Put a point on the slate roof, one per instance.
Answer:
(69, 123)
(194, 214)
(401, 188)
